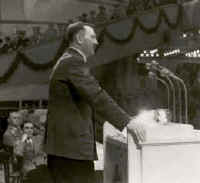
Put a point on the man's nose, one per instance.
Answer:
(96, 42)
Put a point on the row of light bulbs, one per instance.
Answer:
(193, 54)
(189, 34)
(156, 54)
(149, 55)
(173, 52)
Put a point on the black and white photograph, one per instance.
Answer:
(99, 91)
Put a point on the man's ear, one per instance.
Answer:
(80, 37)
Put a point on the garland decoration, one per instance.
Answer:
(178, 19)
(22, 57)
(36, 67)
(10, 70)
(122, 41)
(137, 23)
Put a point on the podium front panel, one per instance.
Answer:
(164, 162)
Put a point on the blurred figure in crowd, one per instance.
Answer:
(30, 149)
(51, 33)
(92, 17)
(22, 40)
(11, 136)
(102, 16)
(14, 131)
(36, 36)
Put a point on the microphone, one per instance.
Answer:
(164, 72)
(155, 67)
(153, 75)
(167, 73)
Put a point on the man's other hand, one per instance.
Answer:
(137, 129)
(24, 137)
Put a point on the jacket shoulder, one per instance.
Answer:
(70, 57)
(65, 63)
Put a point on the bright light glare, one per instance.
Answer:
(152, 117)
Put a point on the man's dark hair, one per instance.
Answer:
(73, 29)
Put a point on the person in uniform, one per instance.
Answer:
(73, 95)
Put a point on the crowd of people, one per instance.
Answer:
(24, 140)
(103, 15)
(20, 39)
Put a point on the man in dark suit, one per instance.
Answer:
(73, 94)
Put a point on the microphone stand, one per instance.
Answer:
(174, 96)
(155, 76)
(180, 101)
(154, 66)
(185, 95)
(167, 73)
(179, 96)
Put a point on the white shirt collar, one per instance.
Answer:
(80, 52)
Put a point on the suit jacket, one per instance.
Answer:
(73, 94)
(32, 153)
(11, 135)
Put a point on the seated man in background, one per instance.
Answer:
(29, 148)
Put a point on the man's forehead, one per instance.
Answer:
(28, 125)
(15, 114)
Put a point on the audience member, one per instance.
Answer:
(22, 40)
(36, 36)
(50, 34)
(30, 148)
(61, 29)
(13, 132)
(7, 47)
(92, 17)
(83, 17)
(118, 12)
(11, 136)
(102, 16)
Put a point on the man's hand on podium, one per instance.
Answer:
(137, 129)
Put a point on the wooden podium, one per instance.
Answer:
(115, 155)
(164, 162)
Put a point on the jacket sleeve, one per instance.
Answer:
(8, 137)
(78, 74)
